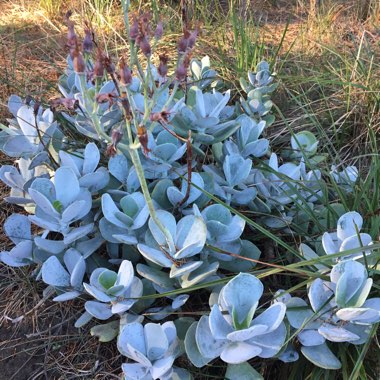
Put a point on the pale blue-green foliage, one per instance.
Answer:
(20, 180)
(152, 349)
(339, 312)
(203, 74)
(165, 151)
(123, 226)
(98, 239)
(18, 229)
(60, 204)
(30, 131)
(207, 116)
(231, 331)
(115, 293)
(347, 237)
(180, 252)
(258, 88)
(86, 168)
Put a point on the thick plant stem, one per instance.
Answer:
(144, 187)
(132, 149)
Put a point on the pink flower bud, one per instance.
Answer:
(159, 31)
(78, 61)
(88, 45)
(99, 65)
(181, 72)
(145, 46)
(134, 30)
(163, 67)
(125, 73)
(71, 36)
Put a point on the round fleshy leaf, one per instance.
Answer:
(310, 338)
(271, 317)
(66, 186)
(106, 332)
(349, 224)
(321, 296)
(17, 228)
(299, 314)
(191, 347)
(135, 370)
(91, 158)
(321, 356)
(208, 346)
(191, 232)
(357, 314)
(270, 343)
(239, 352)
(336, 334)
(125, 274)
(242, 371)
(240, 297)
(246, 334)
(219, 326)
(53, 273)
(98, 310)
(110, 211)
(167, 220)
(27, 121)
(156, 341)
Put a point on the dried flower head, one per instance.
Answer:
(88, 44)
(125, 73)
(142, 135)
(163, 66)
(134, 29)
(99, 64)
(159, 31)
(78, 60)
(69, 103)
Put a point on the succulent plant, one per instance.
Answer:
(114, 292)
(30, 132)
(223, 230)
(152, 348)
(20, 180)
(340, 312)
(202, 74)
(230, 183)
(162, 157)
(85, 168)
(247, 136)
(231, 332)
(61, 204)
(207, 117)
(347, 236)
(17, 228)
(187, 239)
(258, 103)
(67, 281)
(121, 226)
